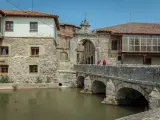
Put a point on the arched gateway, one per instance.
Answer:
(87, 47)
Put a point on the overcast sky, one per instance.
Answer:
(100, 13)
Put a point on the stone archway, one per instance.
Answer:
(132, 95)
(129, 96)
(98, 87)
(84, 34)
(86, 52)
(134, 87)
(80, 81)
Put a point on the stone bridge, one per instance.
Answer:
(122, 84)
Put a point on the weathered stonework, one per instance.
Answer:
(149, 115)
(120, 79)
(20, 58)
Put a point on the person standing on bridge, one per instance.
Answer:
(99, 61)
(104, 62)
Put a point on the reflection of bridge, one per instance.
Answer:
(123, 84)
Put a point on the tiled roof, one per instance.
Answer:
(23, 13)
(66, 24)
(26, 13)
(67, 32)
(133, 28)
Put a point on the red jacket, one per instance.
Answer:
(104, 62)
(98, 62)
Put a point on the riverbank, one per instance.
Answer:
(149, 115)
(12, 86)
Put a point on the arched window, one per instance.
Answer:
(63, 56)
(91, 59)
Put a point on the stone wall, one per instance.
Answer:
(149, 115)
(20, 58)
(133, 59)
(134, 73)
(123, 80)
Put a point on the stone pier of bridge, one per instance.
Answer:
(122, 84)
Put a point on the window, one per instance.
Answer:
(63, 56)
(144, 43)
(9, 26)
(3, 68)
(77, 57)
(147, 60)
(4, 50)
(33, 68)
(125, 44)
(33, 26)
(91, 59)
(119, 58)
(34, 51)
(115, 44)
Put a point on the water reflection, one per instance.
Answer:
(64, 104)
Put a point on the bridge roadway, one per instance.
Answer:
(122, 84)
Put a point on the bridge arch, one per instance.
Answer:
(80, 81)
(98, 87)
(131, 95)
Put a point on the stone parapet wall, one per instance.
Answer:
(134, 73)
(66, 78)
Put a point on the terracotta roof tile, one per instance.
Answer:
(23, 13)
(66, 24)
(134, 28)
(67, 32)
(26, 13)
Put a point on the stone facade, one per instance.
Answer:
(149, 115)
(65, 75)
(100, 43)
(20, 58)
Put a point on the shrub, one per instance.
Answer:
(4, 79)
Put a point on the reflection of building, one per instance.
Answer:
(134, 43)
(27, 45)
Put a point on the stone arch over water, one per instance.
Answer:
(80, 81)
(131, 95)
(98, 87)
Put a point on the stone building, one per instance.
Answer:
(65, 75)
(134, 43)
(95, 45)
(84, 47)
(28, 46)
(32, 49)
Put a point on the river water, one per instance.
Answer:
(58, 104)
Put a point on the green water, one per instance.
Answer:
(58, 104)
